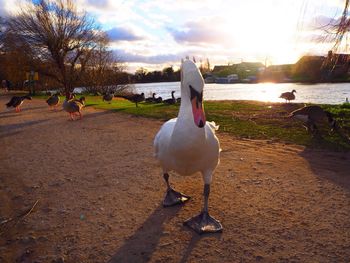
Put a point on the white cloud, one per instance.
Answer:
(201, 31)
(8, 8)
(123, 34)
(161, 31)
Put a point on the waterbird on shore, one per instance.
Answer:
(73, 106)
(17, 101)
(312, 115)
(135, 98)
(172, 100)
(53, 101)
(187, 144)
(288, 96)
(158, 100)
(108, 97)
(151, 99)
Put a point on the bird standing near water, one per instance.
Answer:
(158, 100)
(108, 97)
(172, 100)
(313, 116)
(17, 101)
(135, 98)
(151, 99)
(288, 96)
(187, 144)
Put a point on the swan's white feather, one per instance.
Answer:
(180, 145)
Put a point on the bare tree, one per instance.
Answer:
(103, 68)
(337, 28)
(58, 35)
(16, 58)
(342, 26)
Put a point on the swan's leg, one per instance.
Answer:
(173, 197)
(204, 223)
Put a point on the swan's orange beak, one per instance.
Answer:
(197, 108)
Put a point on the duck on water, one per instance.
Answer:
(187, 144)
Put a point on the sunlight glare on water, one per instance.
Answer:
(324, 93)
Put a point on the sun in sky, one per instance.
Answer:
(158, 33)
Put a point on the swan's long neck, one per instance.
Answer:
(185, 112)
(185, 117)
(186, 135)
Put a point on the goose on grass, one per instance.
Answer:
(108, 97)
(135, 98)
(172, 100)
(312, 117)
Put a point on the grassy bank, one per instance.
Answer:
(246, 119)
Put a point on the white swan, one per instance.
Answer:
(187, 144)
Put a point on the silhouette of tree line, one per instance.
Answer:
(66, 47)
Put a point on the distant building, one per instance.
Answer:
(208, 78)
(309, 69)
(237, 72)
(232, 78)
(277, 73)
(336, 66)
(331, 68)
(221, 80)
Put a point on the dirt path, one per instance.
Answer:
(100, 189)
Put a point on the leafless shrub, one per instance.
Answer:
(57, 35)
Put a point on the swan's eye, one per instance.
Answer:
(196, 94)
(193, 92)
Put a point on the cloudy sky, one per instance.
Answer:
(158, 33)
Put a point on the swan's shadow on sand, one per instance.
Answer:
(140, 246)
(332, 166)
(193, 242)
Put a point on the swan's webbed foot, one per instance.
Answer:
(204, 223)
(173, 197)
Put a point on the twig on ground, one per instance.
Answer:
(19, 217)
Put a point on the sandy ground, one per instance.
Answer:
(99, 193)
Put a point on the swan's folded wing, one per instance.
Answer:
(213, 125)
(163, 136)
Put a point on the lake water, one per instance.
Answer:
(325, 93)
